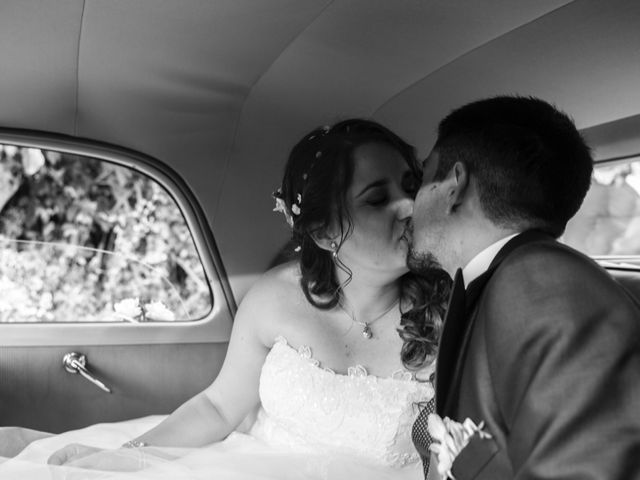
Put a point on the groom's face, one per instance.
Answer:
(428, 245)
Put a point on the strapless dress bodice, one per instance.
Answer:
(306, 407)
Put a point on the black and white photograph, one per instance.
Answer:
(319, 240)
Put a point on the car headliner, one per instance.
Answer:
(220, 90)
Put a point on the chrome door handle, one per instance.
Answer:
(76, 363)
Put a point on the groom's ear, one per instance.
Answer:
(458, 183)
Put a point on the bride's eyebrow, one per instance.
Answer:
(377, 183)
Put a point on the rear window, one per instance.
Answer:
(86, 240)
(608, 223)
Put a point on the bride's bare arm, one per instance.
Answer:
(214, 413)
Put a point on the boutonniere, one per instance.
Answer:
(449, 438)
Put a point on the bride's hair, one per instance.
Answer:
(317, 176)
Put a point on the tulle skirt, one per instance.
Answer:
(239, 457)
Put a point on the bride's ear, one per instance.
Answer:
(324, 238)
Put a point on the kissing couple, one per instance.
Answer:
(361, 356)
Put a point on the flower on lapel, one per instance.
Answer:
(449, 438)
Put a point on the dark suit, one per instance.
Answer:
(546, 352)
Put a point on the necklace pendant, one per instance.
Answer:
(366, 331)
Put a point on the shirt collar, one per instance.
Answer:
(480, 263)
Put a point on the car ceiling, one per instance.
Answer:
(221, 89)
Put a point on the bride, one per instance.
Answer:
(333, 349)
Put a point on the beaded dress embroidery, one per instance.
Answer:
(306, 407)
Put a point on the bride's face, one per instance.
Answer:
(380, 201)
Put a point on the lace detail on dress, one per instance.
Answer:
(355, 371)
(306, 407)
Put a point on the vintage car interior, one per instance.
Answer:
(141, 140)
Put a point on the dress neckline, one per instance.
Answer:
(356, 371)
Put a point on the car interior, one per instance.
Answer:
(141, 141)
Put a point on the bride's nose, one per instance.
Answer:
(404, 208)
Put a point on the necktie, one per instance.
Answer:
(457, 297)
(451, 335)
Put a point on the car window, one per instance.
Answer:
(86, 240)
(608, 223)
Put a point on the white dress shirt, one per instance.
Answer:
(480, 263)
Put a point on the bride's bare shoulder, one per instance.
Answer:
(273, 302)
(277, 289)
(284, 278)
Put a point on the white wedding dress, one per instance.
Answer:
(312, 424)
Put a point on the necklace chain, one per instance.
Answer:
(366, 326)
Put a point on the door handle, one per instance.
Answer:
(77, 363)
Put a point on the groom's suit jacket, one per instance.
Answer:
(546, 352)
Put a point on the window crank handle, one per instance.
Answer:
(76, 363)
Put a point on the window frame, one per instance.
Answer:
(214, 327)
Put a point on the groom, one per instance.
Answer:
(539, 342)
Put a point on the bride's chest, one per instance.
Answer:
(342, 346)
(293, 379)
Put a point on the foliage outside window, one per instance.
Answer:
(608, 222)
(84, 240)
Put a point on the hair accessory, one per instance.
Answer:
(295, 208)
(281, 206)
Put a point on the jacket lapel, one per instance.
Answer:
(458, 327)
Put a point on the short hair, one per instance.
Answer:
(532, 166)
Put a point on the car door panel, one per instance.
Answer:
(37, 392)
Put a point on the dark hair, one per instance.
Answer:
(532, 166)
(317, 176)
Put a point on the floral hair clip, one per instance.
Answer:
(295, 208)
(281, 206)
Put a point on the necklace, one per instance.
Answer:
(366, 326)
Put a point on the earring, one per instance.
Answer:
(334, 249)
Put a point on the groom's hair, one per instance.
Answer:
(531, 165)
